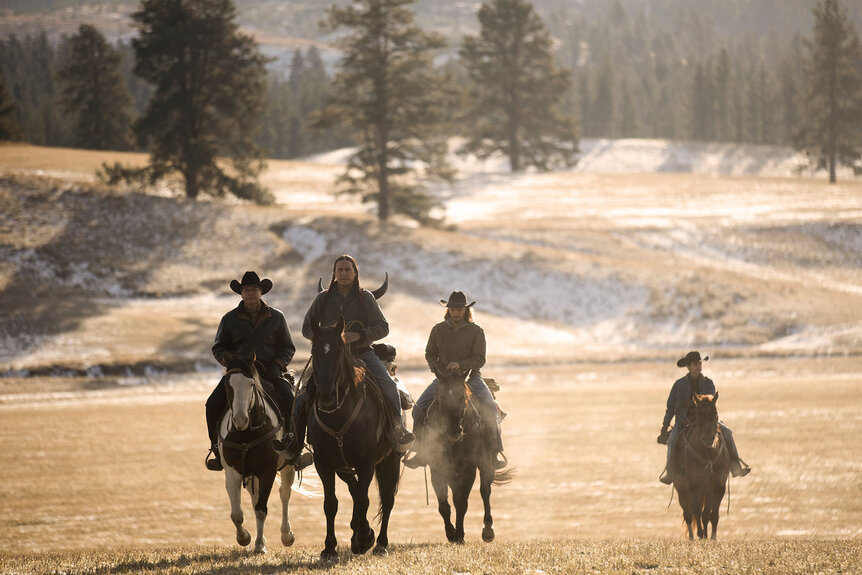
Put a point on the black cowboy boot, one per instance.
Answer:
(290, 446)
(215, 406)
(417, 454)
(402, 439)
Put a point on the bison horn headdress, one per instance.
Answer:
(377, 293)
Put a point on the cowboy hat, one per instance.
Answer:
(690, 357)
(456, 299)
(251, 279)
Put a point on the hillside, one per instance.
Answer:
(564, 266)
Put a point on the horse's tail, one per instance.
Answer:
(388, 474)
(504, 476)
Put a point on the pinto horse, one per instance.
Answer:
(346, 434)
(246, 432)
(706, 461)
(456, 448)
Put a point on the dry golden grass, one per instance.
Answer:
(112, 480)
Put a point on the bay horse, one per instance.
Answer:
(456, 447)
(706, 462)
(346, 433)
(246, 431)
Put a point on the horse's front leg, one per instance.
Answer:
(288, 474)
(486, 478)
(441, 489)
(330, 509)
(233, 486)
(460, 497)
(363, 534)
(260, 488)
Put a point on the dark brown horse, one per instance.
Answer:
(706, 461)
(456, 447)
(345, 431)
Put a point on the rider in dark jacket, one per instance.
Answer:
(678, 403)
(251, 328)
(364, 323)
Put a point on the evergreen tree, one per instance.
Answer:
(8, 126)
(831, 130)
(388, 93)
(516, 90)
(94, 92)
(722, 97)
(209, 84)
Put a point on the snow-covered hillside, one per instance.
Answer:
(615, 259)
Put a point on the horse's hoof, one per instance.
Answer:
(288, 539)
(450, 534)
(359, 545)
(487, 534)
(243, 538)
(329, 556)
(380, 551)
(260, 549)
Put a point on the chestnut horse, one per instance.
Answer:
(706, 461)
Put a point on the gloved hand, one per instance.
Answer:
(663, 436)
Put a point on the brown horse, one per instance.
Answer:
(701, 488)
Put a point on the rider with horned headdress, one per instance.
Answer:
(251, 329)
(457, 344)
(364, 324)
(678, 404)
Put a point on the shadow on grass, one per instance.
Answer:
(242, 561)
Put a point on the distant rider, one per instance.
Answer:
(678, 403)
(251, 327)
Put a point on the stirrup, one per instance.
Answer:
(215, 463)
(740, 468)
(666, 476)
(416, 461)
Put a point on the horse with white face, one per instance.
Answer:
(246, 432)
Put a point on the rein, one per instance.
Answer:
(719, 451)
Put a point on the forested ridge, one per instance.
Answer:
(711, 70)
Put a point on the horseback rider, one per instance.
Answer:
(457, 344)
(364, 323)
(678, 403)
(252, 327)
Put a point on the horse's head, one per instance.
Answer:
(242, 384)
(706, 417)
(452, 397)
(333, 364)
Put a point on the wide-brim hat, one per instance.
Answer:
(251, 279)
(457, 299)
(689, 358)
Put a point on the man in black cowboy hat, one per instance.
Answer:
(364, 323)
(457, 344)
(251, 327)
(678, 403)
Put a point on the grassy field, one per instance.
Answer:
(112, 481)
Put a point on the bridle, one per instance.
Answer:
(341, 432)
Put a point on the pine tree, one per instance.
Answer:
(831, 130)
(209, 84)
(388, 93)
(516, 90)
(94, 92)
(9, 129)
